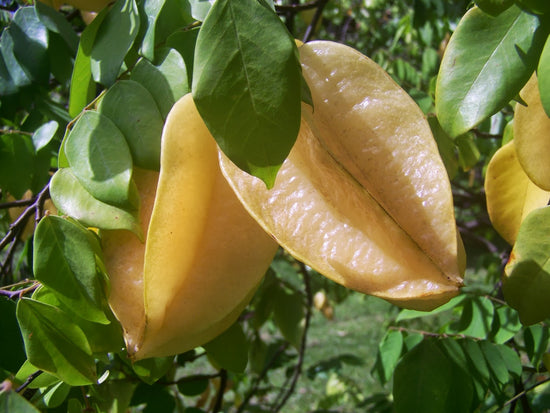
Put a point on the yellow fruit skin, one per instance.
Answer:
(123, 255)
(532, 135)
(363, 197)
(380, 135)
(204, 255)
(511, 195)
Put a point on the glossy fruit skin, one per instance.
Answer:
(363, 197)
(204, 255)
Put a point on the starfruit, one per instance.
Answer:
(363, 197)
(203, 255)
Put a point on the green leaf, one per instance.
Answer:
(102, 338)
(57, 23)
(487, 61)
(17, 159)
(427, 381)
(477, 359)
(200, 8)
(389, 352)
(100, 158)
(495, 361)
(7, 47)
(507, 324)
(64, 261)
(54, 343)
(150, 11)
(410, 314)
(536, 340)
(82, 89)
(114, 39)
(167, 81)
(526, 281)
(30, 38)
(7, 86)
(184, 42)
(192, 387)
(494, 7)
(42, 380)
(229, 350)
(12, 350)
(44, 134)
(543, 74)
(11, 401)
(511, 360)
(70, 197)
(288, 315)
(152, 369)
(134, 112)
(246, 85)
(446, 145)
(468, 153)
(55, 395)
(476, 318)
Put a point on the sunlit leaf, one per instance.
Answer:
(44, 134)
(150, 10)
(510, 194)
(114, 38)
(65, 262)
(70, 197)
(247, 86)
(100, 158)
(133, 110)
(389, 352)
(486, 62)
(526, 281)
(167, 81)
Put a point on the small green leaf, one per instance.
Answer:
(19, 78)
(230, 349)
(468, 152)
(12, 350)
(426, 381)
(44, 134)
(192, 387)
(543, 74)
(11, 401)
(508, 324)
(64, 261)
(389, 352)
(477, 359)
(410, 314)
(247, 87)
(30, 38)
(476, 318)
(288, 315)
(511, 360)
(57, 23)
(114, 39)
(103, 338)
(150, 11)
(486, 62)
(135, 113)
(495, 361)
(494, 7)
(152, 369)
(100, 158)
(200, 8)
(54, 343)
(536, 340)
(526, 281)
(167, 81)
(447, 147)
(70, 197)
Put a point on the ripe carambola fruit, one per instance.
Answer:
(364, 197)
(203, 256)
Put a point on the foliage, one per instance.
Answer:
(72, 92)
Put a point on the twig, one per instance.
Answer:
(29, 380)
(298, 368)
(221, 391)
(318, 13)
(260, 378)
(10, 294)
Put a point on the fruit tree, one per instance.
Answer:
(187, 186)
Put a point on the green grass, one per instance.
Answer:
(358, 325)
